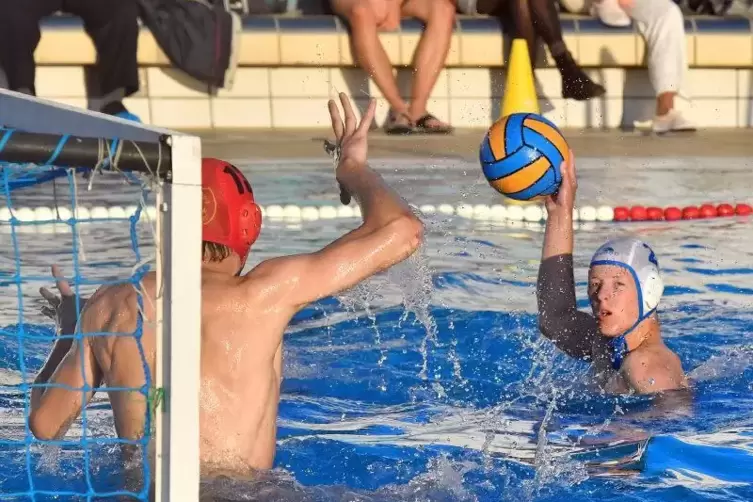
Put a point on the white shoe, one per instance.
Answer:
(610, 13)
(673, 121)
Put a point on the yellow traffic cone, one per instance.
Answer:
(520, 93)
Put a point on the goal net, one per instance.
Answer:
(108, 201)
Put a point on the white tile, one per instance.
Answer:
(473, 112)
(707, 83)
(744, 83)
(143, 91)
(498, 80)
(380, 115)
(139, 107)
(248, 83)
(637, 110)
(440, 108)
(469, 83)
(181, 113)
(745, 112)
(171, 83)
(575, 114)
(595, 113)
(554, 110)
(714, 112)
(299, 82)
(745, 98)
(299, 112)
(548, 83)
(603, 113)
(354, 82)
(241, 113)
(405, 77)
(60, 82)
(613, 80)
(637, 85)
(441, 88)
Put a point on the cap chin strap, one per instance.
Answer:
(619, 346)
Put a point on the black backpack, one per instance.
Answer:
(200, 37)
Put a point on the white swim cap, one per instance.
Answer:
(639, 259)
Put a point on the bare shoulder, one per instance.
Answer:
(112, 303)
(654, 369)
(271, 281)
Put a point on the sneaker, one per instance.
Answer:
(610, 13)
(673, 121)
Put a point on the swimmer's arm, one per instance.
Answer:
(380, 204)
(53, 409)
(389, 234)
(558, 234)
(571, 330)
(59, 350)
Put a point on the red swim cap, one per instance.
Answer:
(229, 214)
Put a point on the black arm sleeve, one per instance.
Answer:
(571, 330)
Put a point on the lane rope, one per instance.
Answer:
(496, 212)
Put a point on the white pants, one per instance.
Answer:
(661, 24)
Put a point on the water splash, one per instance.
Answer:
(551, 470)
(413, 278)
(731, 362)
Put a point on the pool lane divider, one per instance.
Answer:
(532, 213)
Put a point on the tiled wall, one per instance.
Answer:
(290, 66)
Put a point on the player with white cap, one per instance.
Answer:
(622, 339)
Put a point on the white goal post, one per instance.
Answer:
(39, 125)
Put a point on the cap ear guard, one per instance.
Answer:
(653, 289)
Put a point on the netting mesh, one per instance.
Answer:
(48, 217)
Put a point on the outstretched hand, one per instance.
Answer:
(351, 140)
(61, 309)
(564, 199)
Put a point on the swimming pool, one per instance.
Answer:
(431, 381)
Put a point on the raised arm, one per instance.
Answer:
(390, 231)
(70, 367)
(571, 330)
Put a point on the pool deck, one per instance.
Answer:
(463, 144)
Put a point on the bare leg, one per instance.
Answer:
(665, 102)
(430, 55)
(534, 18)
(368, 50)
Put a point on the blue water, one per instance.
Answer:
(431, 382)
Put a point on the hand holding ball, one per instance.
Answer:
(521, 156)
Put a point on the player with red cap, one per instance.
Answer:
(230, 217)
(243, 316)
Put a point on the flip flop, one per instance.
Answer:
(392, 127)
(422, 128)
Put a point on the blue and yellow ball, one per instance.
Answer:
(521, 156)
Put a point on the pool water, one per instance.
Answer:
(431, 382)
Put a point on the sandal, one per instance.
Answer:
(422, 126)
(392, 126)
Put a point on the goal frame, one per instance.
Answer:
(39, 125)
